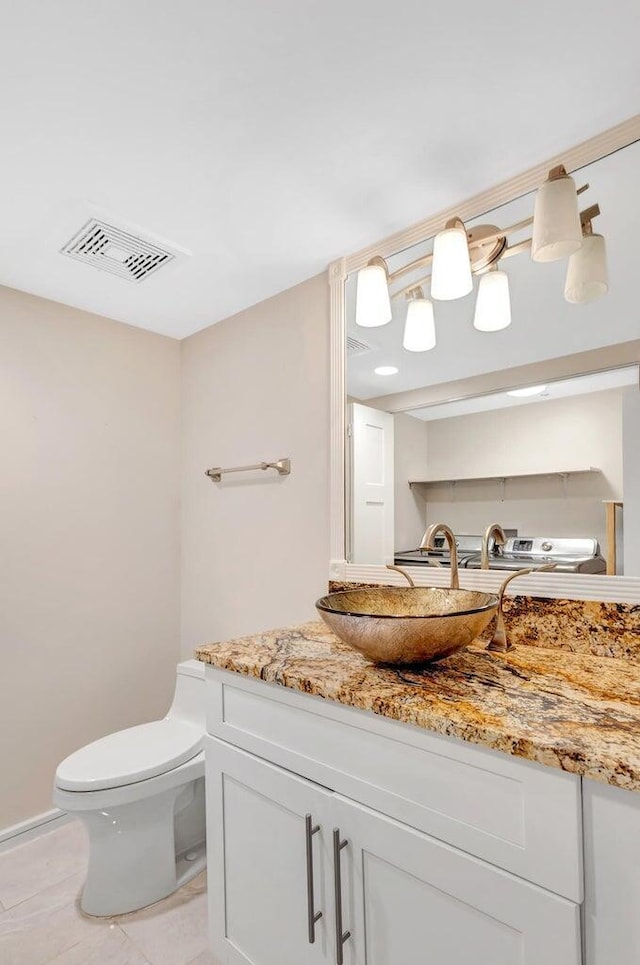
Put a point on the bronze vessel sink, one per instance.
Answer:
(403, 625)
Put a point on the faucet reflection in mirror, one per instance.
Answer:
(494, 532)
(428, 544)
(560, 230)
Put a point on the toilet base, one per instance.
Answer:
(191, 866)
(142, 851)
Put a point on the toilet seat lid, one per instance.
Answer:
(129, 756)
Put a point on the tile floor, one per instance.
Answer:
(41, 923)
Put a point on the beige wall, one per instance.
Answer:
(410, 440)
(547, 436)
(255, 547)
(89, 536)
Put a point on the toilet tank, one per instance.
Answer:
(188, 699)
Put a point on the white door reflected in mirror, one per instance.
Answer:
(371, 450)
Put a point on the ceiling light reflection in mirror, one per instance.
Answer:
(560, 389)
(529, 390)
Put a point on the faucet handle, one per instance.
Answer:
(499, 642)
(399, 569)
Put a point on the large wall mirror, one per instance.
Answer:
(515, 404)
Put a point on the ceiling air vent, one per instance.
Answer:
(354, 347)
(111, 249)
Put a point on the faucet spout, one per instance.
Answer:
(495, 532)
(427, 544)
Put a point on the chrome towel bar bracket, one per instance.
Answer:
(282, 467)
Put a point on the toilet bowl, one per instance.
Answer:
(140, 794)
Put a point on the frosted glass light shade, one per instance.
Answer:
(419, 328)
(373, 306)
(493, 304)
(451, 268)
(557, 231)
(587, 274)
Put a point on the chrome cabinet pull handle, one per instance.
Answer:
(312, 915)
(341, 937)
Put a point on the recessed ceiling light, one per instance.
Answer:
(530, 390)
(386, 370)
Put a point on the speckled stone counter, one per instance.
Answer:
(574, 711)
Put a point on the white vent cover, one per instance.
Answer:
(111, 249)
(354, 347)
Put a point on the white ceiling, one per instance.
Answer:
(269, 138)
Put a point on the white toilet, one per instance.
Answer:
(140, 794)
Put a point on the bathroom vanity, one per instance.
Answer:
(480, 809)
(485, 808)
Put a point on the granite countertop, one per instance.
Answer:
(577, 712)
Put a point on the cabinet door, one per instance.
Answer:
(264, 862)
(409, 899)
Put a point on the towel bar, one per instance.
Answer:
(282, 467)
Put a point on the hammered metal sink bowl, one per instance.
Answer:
(403, 625)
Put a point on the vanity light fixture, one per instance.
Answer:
(556, 220)
(587, 274)
(493, 304)
(373, 306)
(528, 392)
(419, 327)
(560, 230)
(386, 370)
(451, 268)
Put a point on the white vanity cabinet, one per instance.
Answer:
(300, 874)
(293, 834)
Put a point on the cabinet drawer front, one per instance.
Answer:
(520, 816)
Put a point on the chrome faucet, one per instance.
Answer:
(427, 544)
(496, 532)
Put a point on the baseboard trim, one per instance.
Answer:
(31, 826)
